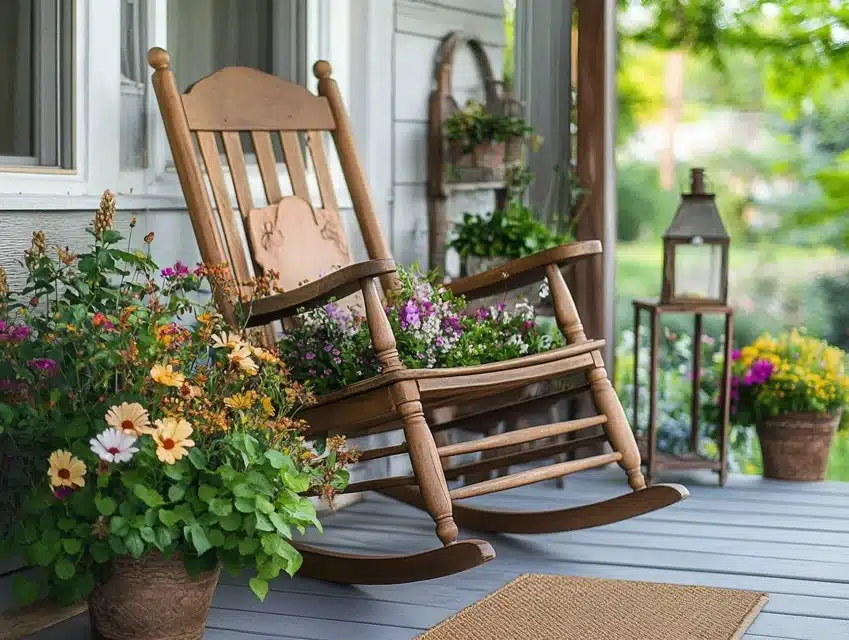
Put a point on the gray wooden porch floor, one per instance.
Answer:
(790, 540)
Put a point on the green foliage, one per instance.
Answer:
(643, 207)
(514, 232)
(475, 124)
(139, 423)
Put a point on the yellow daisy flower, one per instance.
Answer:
(241, 357)
(267, 406)
(165, 374)
(66, 470)
(129, 417)
(265, 355)
(241, 400)
(172, 439)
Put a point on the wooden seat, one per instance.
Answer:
(301, 238)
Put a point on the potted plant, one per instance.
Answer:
(433, 328)
(483, 143)
(156, 444)
(794, 388)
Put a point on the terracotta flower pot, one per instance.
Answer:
(484, 163)
(152, 598)
(795, 446)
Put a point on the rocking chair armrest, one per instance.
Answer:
(337, 284)
(522, 272)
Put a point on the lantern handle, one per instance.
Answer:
(699, 182)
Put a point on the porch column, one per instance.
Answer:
(593, 280)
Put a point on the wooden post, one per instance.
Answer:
(654, 357)
(590, 281)
(695, 402)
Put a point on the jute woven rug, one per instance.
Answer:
(542, 607)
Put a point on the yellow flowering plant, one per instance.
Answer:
(132, 420)
(790, 373)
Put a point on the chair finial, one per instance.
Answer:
(158, 58)
(322, 69)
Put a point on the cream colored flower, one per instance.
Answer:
(172, 439)
(265, 355)
(227, 340)
(165, 374)
(129, 417)
(241, 357)
(66, 470)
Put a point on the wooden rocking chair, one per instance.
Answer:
(300, 241)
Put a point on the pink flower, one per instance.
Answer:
(735, 355)
(45, 365)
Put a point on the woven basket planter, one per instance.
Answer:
(152, 598)
(795, 446)
(484, 164)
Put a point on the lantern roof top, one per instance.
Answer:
(697, 214)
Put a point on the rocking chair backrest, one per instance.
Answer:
(290, 234)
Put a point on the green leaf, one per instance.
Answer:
(7, 414)
(163, 538)
(135, 544)
(199, 539)
(206, 492)
(216, 537)
(263, 523)
(340, 479)
(221, 507)
(282, 527)
(232, 522)
(174, 471)
(106, 506)
(67, 524)
(148, 535)
(26, 591)
(71, 546)
(147, 495)
(119, 526)
(176, 492)
(245, 505)
(118, 546)
(276, 458)
(168, 518)
(264, 505)
(259, 587)
(197, 459)
(274, 545)
(248, 546)
(99, 552)
(65, 569)
(243, 490)
(42, 553)
(297, 482)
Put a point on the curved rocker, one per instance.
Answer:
(347, 568)
(615, 509)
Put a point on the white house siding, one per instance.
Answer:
(419, 27)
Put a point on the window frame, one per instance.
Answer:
(52, 83)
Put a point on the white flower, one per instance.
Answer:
(113, 445)
(544, 290)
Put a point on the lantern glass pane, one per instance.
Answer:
(698, 271)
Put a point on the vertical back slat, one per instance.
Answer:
(295, 164)
(232, 237)
(267, 165)
(238, 171)
(322, 171)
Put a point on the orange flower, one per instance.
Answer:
(131, 418)
(167, 376)
(172, 439)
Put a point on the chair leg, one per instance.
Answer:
(425, 460)
(617, 428)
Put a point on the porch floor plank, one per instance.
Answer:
(790, 540)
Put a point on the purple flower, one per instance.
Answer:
(427, 308)
(527, 325)
(45, 365)
(309, 355)
(328, 347)
(452, 323)
(440, 341)
(410, 315)
(179, 270)
(760, 372)
(482, 314)
(13, 332)
(735, 355)
(62, 492)
(313, 372)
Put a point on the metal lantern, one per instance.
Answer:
(695, 250)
